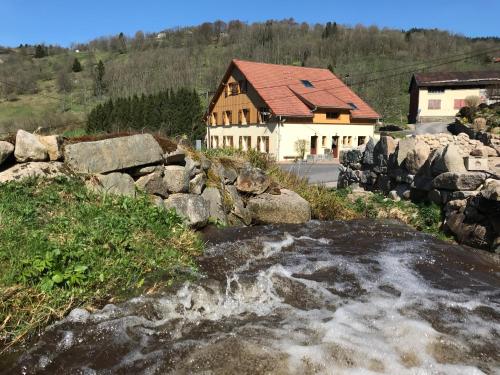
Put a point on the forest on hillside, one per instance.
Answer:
(377, 63)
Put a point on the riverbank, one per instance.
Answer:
(63, 246)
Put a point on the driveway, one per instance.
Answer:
(316, 173)
(432, 127)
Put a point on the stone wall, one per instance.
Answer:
(432, 168)
(227, 192)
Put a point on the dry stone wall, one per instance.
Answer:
(199, 189)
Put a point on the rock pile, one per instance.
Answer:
(227, 192)
(432, 168)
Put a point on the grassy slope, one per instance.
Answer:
(62, 247)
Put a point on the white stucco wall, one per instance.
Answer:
(447, 101)
(282, 139)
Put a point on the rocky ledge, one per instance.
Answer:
(455, 172)
(224, 191)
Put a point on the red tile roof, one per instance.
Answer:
(281, 88)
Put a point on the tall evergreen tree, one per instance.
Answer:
(99, 79)
(77, 67)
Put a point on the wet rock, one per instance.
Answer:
(114, 183)
(252, 180)
(448, 160)
(176, 179)
(33, 169)
(191, 207)
(6, 149)
(491, 190)
(53, 145)
(416, 157)
(113, 154)
(215, 204)
(29, 148)
(288, 207)
(197, 183)
(475, 235)
(153, 183)
(459, 181)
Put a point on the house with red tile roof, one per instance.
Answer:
(273, 107)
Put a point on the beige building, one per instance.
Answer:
(439, 96)
(272, 108)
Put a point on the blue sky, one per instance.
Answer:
(65, 21)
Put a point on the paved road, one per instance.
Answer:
(317, 173)
(432, 127)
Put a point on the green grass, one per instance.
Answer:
(62, 246)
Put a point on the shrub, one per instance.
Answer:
(472, 101)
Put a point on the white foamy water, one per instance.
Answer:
(326, 298)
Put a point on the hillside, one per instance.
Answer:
(377, 63)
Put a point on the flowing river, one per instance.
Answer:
(361, 297)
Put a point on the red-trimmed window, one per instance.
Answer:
(459, 103)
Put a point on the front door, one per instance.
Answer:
(335, 147)
(314, 144)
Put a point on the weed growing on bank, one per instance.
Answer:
(62, 246)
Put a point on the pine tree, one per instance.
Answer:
(40, 51)
(99, 79)
(77, 67)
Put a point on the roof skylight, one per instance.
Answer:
(306, 83)
(352, 105)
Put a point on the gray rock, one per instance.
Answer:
(422, 183)
(459, 181)
(349, 157)
(393, 194)
(29, 148)
(416, 157)
(192, 208)
(215, 204)
(143, 171)
(404, 147)
(113, 154)
(252, 180)
(491, 190)
(176, 157)
(227, 174)
(237, 205)
(435, 196)
(6, 149)
(153, 184)
(197, 183)
(288, 207)
(449, 160)
(382, 153)
(176, 179)
(205, 163)
(32, 169)
(368, 154)
(454, 195)
(193, 167)
(114, 183)
(53, 145)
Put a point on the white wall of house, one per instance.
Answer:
(447, 101)
(282, 139)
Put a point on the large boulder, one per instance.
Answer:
(153, 184)
(113, 154)
(176, 157)
(382, 152)
(448, 159)
(368, 154)
(416, 157)
(491, 190)
(32, 169)
(459, 181)
(405, 146)
(53, 145)
(29, 148)
(114, 183)
(351, 157)
(288, 207)
(215, 204)
(176, 179)
(191, 207)
(6, 149)
(252, 180)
